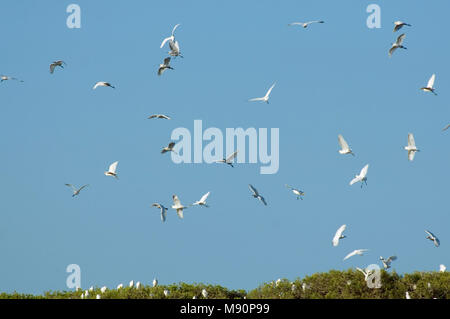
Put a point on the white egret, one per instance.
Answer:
(399, 24)
(256, 194)
(430, 85)
(172, 36)
(104, 84)
(112, 170)
(174, 49)
(8, 78)
(305, 24)
(159, 116)
(164, 66)
(204, 293)
(411, 147)
(202, 201)
(339, 235)
(297, 192)
(86, 293)
(131, 285)
(407, 295)
(361, 177)
(168, 148)
(433, 238)
(178, 206)
(120, 286)
(98, 297)
(397, 44)
(59, 63)
(229, 159)
(103, 289)
(91, 289)
(387, 262)
(365, 272)
(359, 252)
(265, 98)
(163, 210)
(345, 149)
(442, 268)
(75, 190)
(155, 282)
(138, 285)
(166, 292)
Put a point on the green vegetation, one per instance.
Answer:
(334, 284)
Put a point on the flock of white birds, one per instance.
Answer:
(345, 149)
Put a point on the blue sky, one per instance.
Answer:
(331, 78)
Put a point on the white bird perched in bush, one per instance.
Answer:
(442, 268)
(120, 286)
(204, 293)
(166, 292)
(98, 297)
(131, 284)
(155, 282)
(103, 289)
(91, 289)
(138, 285)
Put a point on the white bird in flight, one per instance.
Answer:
(411, 147)
(169, 148)
(446, 128)
(359, 252)
(265, 98)
(163, 210)
(397, 44)
(345, 149)
(365, 272)
(297, 192)
(305, 24)
(164, 66)
(7, 78)
(339, 235)
(229, 159)
(75, 190)
(59, 63)
(112, 170)
(178, 206)
(172, 37)
(399, 25)
(104, 84)
(202, 201)
(387, 262)
(159, 116)
(361, 177)
(256, 194)
(174, 49)
(430, 85)
(433, 238)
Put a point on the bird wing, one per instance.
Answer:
(113, 167)
(52, 67)
(97, 85)
(167, 61)
(364, 171)
(180, 213)
(338, 235)
(256, 99)
(174, 28)
(342, 142)
(156, 205)
(204, 197)
(270, 90)
(162, 116)
(411, 155)
(262, 199)
(254, 191)
(231, 157)
(355, 180)
(295, 23)
(446, 128)
(350, 255)
(431, 81)
(163, 214)
(411, 141)
(400, 38)
(71, 186)
(315, 21)
(392, 258)
(171, 145)
(391, 51)
(83, 187)
(165, 40)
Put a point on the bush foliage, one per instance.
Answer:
(334, 284)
